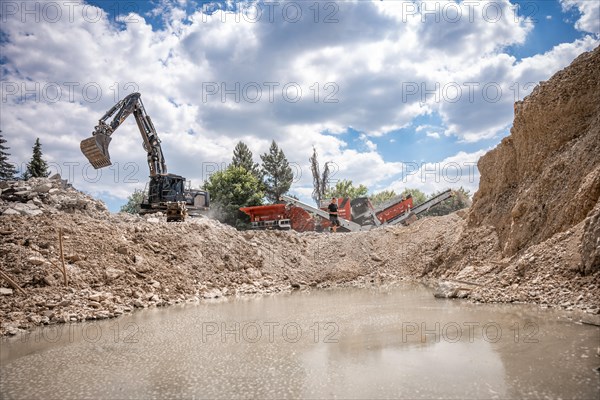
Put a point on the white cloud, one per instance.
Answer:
(590, 14)
(451, 172)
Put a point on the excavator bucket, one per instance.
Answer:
(96, 150)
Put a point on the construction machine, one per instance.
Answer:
(354, 215)
(165, 192)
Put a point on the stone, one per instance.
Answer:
(55, 177)
(375, 257)
(446, 290)
(73, 258)
(32, 213)
(43, 188)
(138, 303)
(212, 294)
(113, 273)
(11, 330)
(102, 314)
(11, 211)
(49, 280)
(5, 291)
(153, 220)
(94, 304)
(94, 297)
(122, 249)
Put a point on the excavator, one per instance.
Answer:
(166, 192)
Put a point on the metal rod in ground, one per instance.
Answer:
(62, 257)
(11, 282)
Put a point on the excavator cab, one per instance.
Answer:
(95, 149)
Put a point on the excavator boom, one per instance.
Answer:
(95, 148)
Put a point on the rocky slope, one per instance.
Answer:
(545, 177)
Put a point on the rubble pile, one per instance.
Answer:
(531, 236)
(38, 196)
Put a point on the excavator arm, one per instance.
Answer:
(95, 148)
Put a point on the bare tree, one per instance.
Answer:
(320, 182)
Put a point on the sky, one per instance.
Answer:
(394, 94)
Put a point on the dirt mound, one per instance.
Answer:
(53, 195)
(545, 177)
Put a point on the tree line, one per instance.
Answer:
(246, 183)
(36, 168)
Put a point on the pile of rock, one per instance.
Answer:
(52, 195)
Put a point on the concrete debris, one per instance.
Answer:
(39, 196)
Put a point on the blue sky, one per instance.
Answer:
(394, 93)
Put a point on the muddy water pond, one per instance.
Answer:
(396, 342)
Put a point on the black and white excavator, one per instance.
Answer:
(166, 192)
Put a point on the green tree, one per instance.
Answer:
(382, 197)
(242, 157)
(7, 170)
(345, 188)
(231, 189)
(277, 173)
(417, 196)
(460, 200)
(37, 167)
(133, 202)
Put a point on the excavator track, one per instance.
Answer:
(96, 151)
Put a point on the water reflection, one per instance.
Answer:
(384, 343)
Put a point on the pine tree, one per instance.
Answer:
(242, 157)
(7, 170)
(37, 167)
(278, 175)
